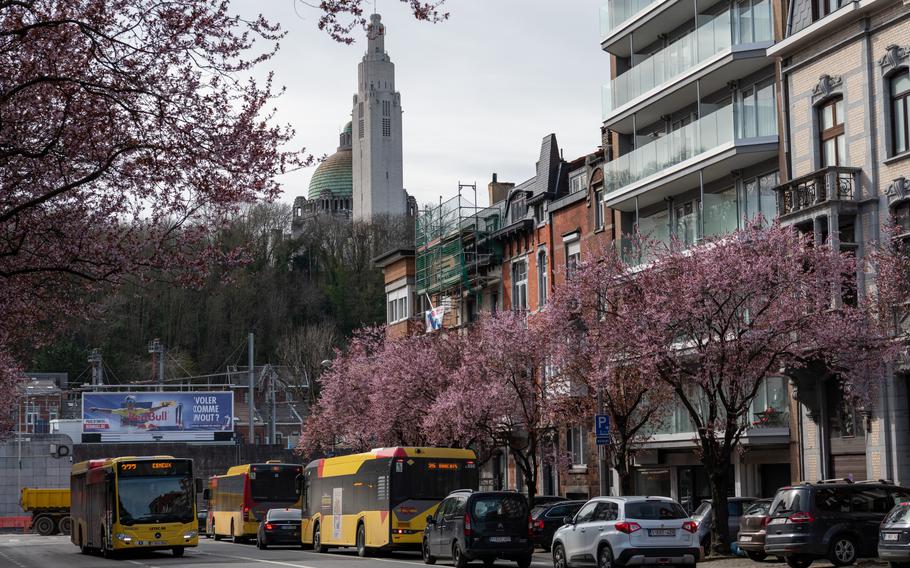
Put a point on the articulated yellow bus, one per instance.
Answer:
(380, 499)
(241, 498)
(134, 503)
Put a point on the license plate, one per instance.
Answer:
(778, 521)
(287, 526)
(500, 539)
(891, 536)
(746, 538)
(661, 532)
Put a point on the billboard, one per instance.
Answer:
(131, 416)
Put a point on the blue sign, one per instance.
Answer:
(134, 412)
(602, 426)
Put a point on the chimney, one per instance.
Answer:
(498, 190)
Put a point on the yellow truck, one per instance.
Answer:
(50, 509)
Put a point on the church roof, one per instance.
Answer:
(334, 176)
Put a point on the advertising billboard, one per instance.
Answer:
(157, 415)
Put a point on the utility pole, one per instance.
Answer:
(156, 348)
(274, 410)
(252, 385)
(94, 358)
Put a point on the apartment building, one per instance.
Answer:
(692, 107)
(845, 69)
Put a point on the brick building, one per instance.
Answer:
(41, 399)
(845, 71)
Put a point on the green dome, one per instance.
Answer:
(348, 128)
(334, 176)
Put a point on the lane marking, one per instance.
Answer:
(257, 560)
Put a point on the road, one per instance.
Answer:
(34, 551)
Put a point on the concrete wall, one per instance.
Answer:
(39, 468)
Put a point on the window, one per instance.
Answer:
(821, 8)
(757, 112)
(844, 420)
(520, 285)
(575, 443)
(686, 219)
(770, 407)
(542, 278)
(900, 111)
(573, 254)
(831, 133)
(386, 108)
(832, 500)
(398, 307)
(386, 127)
(759, 196)
(578, 182)
(360, 128)
(752, 21)
(586, 513)
(606, 511)
(598, 209)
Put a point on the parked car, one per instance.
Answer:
(546, 499)
(480, 525)
(627, 530)
(751, 537)
(704, 516)
(894, 536)
(833, 519)
(546, 518)
(280, 526)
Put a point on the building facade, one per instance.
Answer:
(845, 71)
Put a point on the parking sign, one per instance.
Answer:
(602, 426)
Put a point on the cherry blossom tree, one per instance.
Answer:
(340, 17)
(714, 322)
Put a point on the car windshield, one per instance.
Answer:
(284, 515)
(790, 501)
(759, 509)
(654, 510)
(900, 514)
(702, 509)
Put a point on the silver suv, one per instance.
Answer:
(625, 531)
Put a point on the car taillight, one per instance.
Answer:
(268, 526)
(627, 527)
(530, 525)
(467, 524)
(690, 526)
(539, 524)
(801, 517)
(246, 514)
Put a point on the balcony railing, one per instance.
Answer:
(713, 34)
(616, 12)
(834, 183)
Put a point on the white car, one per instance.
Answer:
(627, 531)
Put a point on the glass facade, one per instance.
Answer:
(617, 12)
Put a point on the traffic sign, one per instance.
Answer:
(602, 426)
(603, 441)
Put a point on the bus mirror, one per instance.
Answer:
(431, 520)
(298, 485)
(207, 494)
(198, 485)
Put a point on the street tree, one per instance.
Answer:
(714, 322)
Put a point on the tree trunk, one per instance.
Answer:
(718, 480)
(623, 464)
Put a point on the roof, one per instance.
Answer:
(393, 255)
(39, 387)
(334, 177)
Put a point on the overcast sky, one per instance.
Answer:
(478, 91)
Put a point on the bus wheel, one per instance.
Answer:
(65, 525)
(362, 550)
(44, 526)
(317, 540)
(178, 551)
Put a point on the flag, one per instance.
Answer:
(434, 318)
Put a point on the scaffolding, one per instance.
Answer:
(453, 249)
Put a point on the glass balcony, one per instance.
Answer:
(713, 35)
(616, 12)
(680, 145)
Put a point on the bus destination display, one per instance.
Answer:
(158, 467)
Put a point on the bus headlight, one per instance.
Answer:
(123, 537)
(190, 534)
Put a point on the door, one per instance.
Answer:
(869, 506)
(575, 540)
(436, 529)
(605, 516)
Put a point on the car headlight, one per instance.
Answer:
(190, 534)
(123, 537)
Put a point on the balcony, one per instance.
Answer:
(718, 41)
(826, 186)
(617, 12)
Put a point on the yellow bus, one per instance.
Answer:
(134, 503)
(380, 499)
(239, 499)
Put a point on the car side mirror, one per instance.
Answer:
(207, 494)
(198, 481)
(568, 520)
(431, 520)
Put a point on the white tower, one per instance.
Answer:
(378, 183)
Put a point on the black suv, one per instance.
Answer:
(833, 519)
(480, 525)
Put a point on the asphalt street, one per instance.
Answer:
(34, 551)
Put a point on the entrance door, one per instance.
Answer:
(773, 477)
(846, 435)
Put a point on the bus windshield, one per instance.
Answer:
(274, 484)
(155, 499)
(431, 479)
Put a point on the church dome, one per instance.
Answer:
(335, 176)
